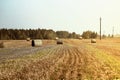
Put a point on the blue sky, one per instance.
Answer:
(70, 15)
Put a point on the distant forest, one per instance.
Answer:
(15, 34)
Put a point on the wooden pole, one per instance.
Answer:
(100, 28)
(113, 32)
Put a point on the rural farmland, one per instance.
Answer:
(73, 60)
(59, 40)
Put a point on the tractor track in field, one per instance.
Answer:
(62, 62)
(11, 53)
(69, 65)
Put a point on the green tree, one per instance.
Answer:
(62, 34)
(89, 34)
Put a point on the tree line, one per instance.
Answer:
(14, 34)
(89, 34)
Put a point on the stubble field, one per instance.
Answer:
(74, 60)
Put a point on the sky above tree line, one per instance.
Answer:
(69, 15)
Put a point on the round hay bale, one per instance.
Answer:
(36, 43)
(33, 43)
(59, 41)
(56, 38)
(28, 39)
(80, 38)
(93, 40)
(1, 45)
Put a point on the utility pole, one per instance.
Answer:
(100, 28)
(113, 32)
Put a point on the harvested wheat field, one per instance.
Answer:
(74, 60)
